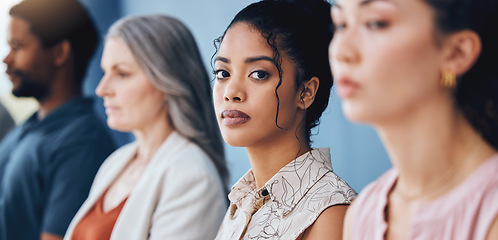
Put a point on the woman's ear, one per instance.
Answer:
(61, 53)
(461, 51)
(308, 92)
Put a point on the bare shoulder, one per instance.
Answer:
(493, 230)
(328, 225)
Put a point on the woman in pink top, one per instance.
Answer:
(423, 73)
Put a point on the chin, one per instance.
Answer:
(117, 126)
(356, 114)
(235, 139)
(234, 142)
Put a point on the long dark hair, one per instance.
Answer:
(476, 92)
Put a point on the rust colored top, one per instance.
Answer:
(97, 224)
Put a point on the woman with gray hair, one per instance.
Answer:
(170, 182)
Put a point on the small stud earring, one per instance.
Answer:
(448, 79)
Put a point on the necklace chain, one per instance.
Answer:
(450, 172)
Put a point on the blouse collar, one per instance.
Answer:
(286, 188)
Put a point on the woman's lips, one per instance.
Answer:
(347, 87)
(234, 117)
(110, 109)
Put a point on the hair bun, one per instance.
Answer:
(319, 9)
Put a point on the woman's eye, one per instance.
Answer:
(377, 24)
(259, 75)
(123, 74)
(221, 74)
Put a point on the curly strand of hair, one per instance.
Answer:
(277, 61)
(216, 43)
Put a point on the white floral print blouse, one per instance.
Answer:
(288, 203)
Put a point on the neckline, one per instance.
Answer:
(246, 184)
(446, 202)
(442, 204)
(100, 205)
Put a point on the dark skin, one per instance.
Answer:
(51, 66)
(247, 78)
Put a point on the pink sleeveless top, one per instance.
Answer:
(466, 212)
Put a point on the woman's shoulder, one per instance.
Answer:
(373, 196)
(381, 186)
(333, 184)
(188, 152)
(186, 167)
(366, 210)
(185, 156)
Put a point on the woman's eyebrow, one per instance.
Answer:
(362, 3)
(259, 58)
(367, 2)
(222, 59)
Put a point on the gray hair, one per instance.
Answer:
(166, 50)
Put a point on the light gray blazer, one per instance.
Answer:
(180, 195)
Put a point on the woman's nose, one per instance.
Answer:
(103, 88)
(234, 91)
(343, 48)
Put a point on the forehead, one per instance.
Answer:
(117, 51)
(363, 3)
(20, 30)
(243, 40)
(404, 7)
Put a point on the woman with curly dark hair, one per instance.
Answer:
(272, 84)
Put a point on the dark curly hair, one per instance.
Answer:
(302, 30)
(476, 92)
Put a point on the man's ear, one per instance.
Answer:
(308, 92)
(461, 51)
(61, 53)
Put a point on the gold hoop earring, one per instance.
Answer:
(448, 79)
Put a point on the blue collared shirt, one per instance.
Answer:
(47, 167)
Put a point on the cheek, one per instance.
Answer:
(398, 76)
(408, 62)
(331, 56)
(25, 61)
(143, 100)
(153, 101)
(285, 103)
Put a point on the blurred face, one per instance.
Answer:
(29, 64)
(131, 101)
(244, 91)
(384, 58)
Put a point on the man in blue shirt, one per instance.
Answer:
(48, 163)
(6, 121)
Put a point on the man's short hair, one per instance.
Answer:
(56, 20)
